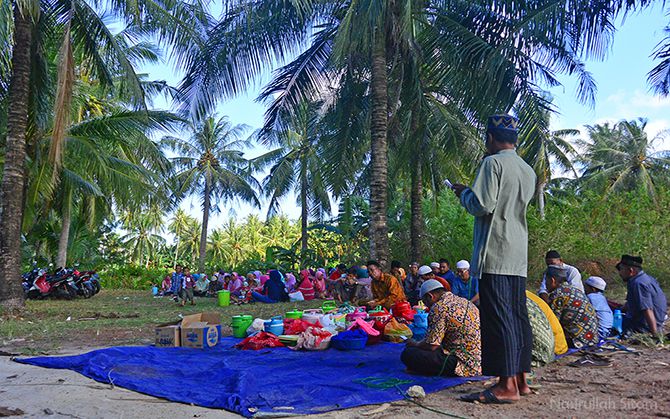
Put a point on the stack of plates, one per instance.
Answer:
(288, 340)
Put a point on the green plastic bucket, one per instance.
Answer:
(294, 314)
(224, 298)
(240, 325)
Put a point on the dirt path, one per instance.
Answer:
(635, 386)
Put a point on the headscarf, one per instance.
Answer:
(304, 274)
(235, 284)
(265, 278)
(258, 275)
(320, 281)
(290, 282)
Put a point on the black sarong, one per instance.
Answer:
(507, 338)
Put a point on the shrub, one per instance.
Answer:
(132, 277)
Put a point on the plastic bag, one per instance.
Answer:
(394, 331)
(258, 325)
(295, 326)
(296, 296)
(260, 340)
(313, 339)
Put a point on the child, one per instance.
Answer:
(166, 285)
(188, 284)
(594, 287)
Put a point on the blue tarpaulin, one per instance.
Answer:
(275, 380)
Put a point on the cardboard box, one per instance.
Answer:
(201, 330)
(168, 335)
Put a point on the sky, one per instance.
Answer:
(623, 93)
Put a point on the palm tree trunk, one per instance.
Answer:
(176, 252)
(379, 244)
(205, 220)
(11, 189)
(63, 240)
(540, 198)
(416, 225)
(304, 238)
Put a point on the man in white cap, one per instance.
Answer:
(465, 285)
(452, 345)
(427, 272)
(595, 289)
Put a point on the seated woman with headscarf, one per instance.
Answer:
(306, 286)
(273, 291)
(320, 284)
(235, 285)
(201, 285)
(291, 285)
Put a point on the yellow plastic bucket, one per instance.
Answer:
(224, 298)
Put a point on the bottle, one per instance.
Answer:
(617, 324)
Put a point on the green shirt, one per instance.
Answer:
(499, 197)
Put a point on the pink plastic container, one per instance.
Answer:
(360, 313)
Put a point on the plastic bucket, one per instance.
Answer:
(224, 298)
(294, 314)
(328, 305)
(241, 324)
(154, 290)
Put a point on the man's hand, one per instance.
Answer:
(372, 303)
(411, 342)
(458, 189)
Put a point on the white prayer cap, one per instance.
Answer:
(462, 264)
(596, 282)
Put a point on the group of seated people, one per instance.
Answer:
(566, 312)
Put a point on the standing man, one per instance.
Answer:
(177, 278)
(499, 197)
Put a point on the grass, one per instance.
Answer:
(112, 317)
(122, 317)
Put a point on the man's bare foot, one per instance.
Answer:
(504, 390)
(522, 384)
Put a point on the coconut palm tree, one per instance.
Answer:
(621, 157)
(143, 238)
(178, 224)
(296, 166)
(543, 148)
(13, 176)
(75, 25)
(479, 55)
(211, 165)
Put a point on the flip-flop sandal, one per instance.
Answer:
(532, 391)
(587, 361)
(488, 398)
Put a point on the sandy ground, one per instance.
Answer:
(635, 386)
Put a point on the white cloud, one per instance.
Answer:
(648, 101)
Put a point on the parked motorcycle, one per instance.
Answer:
(65, 283)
